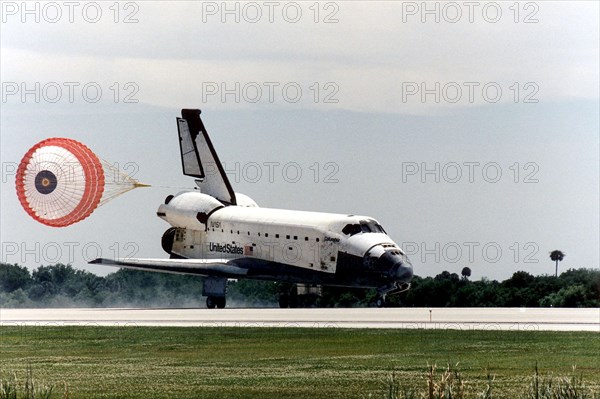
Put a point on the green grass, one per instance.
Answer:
(143, 362)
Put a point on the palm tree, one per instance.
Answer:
(466, 273)
(557, 256)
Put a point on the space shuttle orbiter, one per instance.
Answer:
(220, 234)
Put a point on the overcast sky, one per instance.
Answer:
(469, 130)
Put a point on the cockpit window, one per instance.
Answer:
(364, 226)
(380, 228)
(372, 226)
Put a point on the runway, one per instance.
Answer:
(506, 319)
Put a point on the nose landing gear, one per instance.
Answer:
(380, 302)
(390, 289)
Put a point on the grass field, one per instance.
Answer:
(141, 362)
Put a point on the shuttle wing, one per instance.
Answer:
(199, 158)
(226, 268)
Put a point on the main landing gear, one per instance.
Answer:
(215, 289)
(216, 302)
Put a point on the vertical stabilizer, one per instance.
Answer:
(199, 158)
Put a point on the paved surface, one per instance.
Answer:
(530, 319)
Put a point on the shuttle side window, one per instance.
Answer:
(351, 229)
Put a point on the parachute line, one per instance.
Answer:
(117, 183)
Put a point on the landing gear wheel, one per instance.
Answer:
(215, 302)
(284, 301)
(210, 303)
(221, 302)
(380, 302)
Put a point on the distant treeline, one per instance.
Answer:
(64, 286)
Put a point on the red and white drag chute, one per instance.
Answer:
(61, 181)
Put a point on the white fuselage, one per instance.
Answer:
(311, 241)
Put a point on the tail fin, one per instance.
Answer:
(199, 158)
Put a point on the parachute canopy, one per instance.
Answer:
(61, 181)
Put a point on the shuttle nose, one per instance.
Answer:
(397, 266)
(403, 272)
